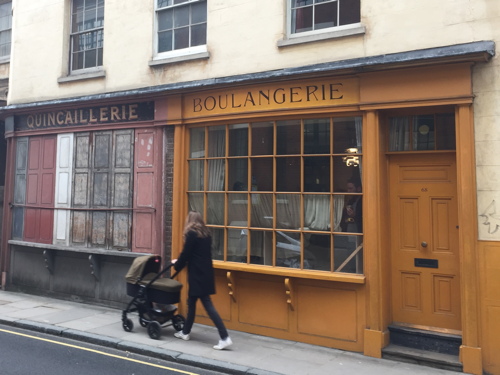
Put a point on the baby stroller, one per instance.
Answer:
(153, 296)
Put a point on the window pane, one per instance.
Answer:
(262, 210)
(181, 38)
(399, 134)
(348, 254)
(164, 3)
(302, 20)
(196, 175)
(90, 58)
(261, 247)
(288, 249)
(238, 140)
(317, 136)
(181, 16)
(237, 245)
(217, 141)
(345, 171)
(197, 143)
(347, 134)
(237, 210)
(195, 202)
(199, 12)
(288, 174)
(445, 132)
(215, 209)
(317, 212)
(262, 174)
(288, 137)
(349, 12)
(165, 20)
(238, 174)
(287, 211)
(199, 35)
(262, 138)
(317, 252)
(423, 132)
(325, 15)
(216, 174)
(352, 214)
(165, 42)
(217, 243)
(317, 174)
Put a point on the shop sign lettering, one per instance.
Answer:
(120, 113)
(267, 97)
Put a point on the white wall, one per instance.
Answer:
(242, 38)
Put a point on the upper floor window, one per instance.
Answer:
(181, 25)
(87, 34)
(5, 29)
(314, 15)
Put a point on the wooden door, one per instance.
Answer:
(424, 241)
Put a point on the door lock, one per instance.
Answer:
(424, 244)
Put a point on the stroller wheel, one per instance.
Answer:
(154, 330)
(178, 322)
(128, 325)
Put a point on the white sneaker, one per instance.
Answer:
(181, 335)
(223, 344)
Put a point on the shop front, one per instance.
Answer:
(86, 196)
(334, 203)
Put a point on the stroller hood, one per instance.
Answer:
(141, 266)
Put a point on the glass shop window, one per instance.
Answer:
(281, 193)
(426, 132)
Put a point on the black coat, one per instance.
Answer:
(198, 257)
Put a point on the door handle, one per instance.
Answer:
(424, 244)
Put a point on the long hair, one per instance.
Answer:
(195, 223)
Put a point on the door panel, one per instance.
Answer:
(424, 238)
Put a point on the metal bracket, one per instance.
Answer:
(95, 268)
(48, 256)
(230, 285)
(288, 292)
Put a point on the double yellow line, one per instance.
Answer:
(98, 352)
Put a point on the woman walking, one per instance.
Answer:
(197, 255)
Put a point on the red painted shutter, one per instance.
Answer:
(40, 183)
(147, 191)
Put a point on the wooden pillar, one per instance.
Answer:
(470, 351)
(374, 212)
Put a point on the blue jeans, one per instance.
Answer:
(211, 311)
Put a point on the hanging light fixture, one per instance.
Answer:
(351, 160)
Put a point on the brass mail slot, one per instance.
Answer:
(427, 263)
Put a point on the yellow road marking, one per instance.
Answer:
(97, 352)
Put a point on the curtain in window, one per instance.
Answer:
(399, 134)
(317, 212)
(338, 208)
(216, 173)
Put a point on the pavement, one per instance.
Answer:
(249, 354)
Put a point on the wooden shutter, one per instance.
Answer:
(64, 164)
(147, 191)
(40, 183)
(19, 188)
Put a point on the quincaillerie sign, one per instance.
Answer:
(100, 115)
(286, 95)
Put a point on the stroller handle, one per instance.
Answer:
(170, 265)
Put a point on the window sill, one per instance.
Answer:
(294, 40)
(176, 59)
(291, 272)
(5, 60)
(82, 76)
(84, 250)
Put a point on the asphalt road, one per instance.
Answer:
(32, 353)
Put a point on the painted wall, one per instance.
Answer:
(237, 43)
